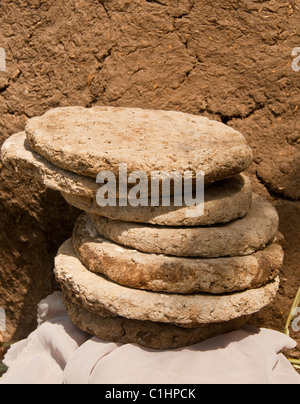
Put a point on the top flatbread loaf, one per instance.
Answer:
(88, 141)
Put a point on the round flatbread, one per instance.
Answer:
(240, 237)
(94, 293)
(144, 333)
(162, 273)
(16, 154)
(88, 141)
(224, 202)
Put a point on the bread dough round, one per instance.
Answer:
(240, 237)
(161, 273)
(94, 293)
(225, 201)
(144, 333)
(90, 140)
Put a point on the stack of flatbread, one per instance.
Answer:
(161, 275)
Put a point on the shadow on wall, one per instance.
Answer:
(39, 221)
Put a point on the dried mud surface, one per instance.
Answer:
(229, 60)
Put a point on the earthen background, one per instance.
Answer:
(229, 60)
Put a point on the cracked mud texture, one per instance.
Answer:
(230, 61)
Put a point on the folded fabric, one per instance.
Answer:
(57, 352)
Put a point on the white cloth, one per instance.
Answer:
(59, 353)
